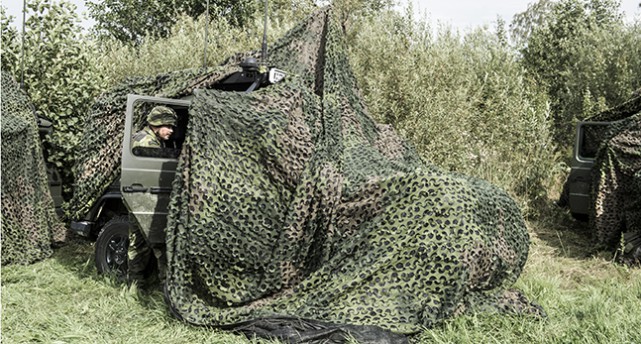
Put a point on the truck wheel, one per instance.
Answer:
(111, 247)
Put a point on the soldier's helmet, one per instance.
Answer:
(161, 115)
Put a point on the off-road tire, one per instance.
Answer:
(112, 245)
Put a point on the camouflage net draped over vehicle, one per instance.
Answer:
(292, 202)
(29, 221)
(615, 197)
(616, 188)
(98, 159)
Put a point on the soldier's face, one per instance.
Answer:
(165, 131)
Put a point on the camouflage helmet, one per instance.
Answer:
(161, 115)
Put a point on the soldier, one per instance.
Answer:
(161, 121)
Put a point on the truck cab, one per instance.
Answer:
(141, 193)
(143, 190)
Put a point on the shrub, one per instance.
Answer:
(60, 75)
(583, 53)
(463, 101)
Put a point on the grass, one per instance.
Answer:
(63, 300)
(588, 299)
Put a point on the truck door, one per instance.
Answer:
(589, 136)
(147, 174)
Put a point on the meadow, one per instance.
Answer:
(587, 298)
(496, 103)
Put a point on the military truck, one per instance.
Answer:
(605, 179)
(145, 184)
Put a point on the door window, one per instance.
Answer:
(157, 141)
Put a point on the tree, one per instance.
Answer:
(582, 53)
(462, 101)
(131, 20)
(10, 49)
(59, 73)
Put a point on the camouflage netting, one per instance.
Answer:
(292, 202)
(293, 211)
(29, 222)
(98, 159)
(616, 189)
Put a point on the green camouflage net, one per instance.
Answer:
(616, 191)
(292, 202)
(615, 205)
(98, 161)
(293, 211)
(29, 221)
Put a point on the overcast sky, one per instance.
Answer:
(461, 14)
(464, 14)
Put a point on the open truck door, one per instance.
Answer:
(589, 136)
(147, 173)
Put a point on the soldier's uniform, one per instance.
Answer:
(147, 138)
(139, 253)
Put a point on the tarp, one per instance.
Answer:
(29, 222)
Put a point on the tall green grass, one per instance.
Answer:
(588, 299)
(63, 300)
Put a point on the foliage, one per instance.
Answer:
(583, 53)
(462, 101)
(130, 21)
(121, 60)
(10, 49)
(60, 75)
(351, 9)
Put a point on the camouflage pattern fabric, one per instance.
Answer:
(616, 192)
(147, 138)
(622, 111)
(140, 264)
(293, 211)
(161, 115)
(292, 202)
(615, 207)
(29, 223)
(98, 159)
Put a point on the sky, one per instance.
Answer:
(466, 14)
(460, 14)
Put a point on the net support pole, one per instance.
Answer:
(206, 35)
(24, 15)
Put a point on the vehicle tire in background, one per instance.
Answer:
(111, 247)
